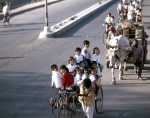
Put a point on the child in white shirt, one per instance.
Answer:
(71, 66)
(85, 74)
(78, 75)
(56, 77)
(78, 57)
(86, 52)
(82, 66)
(95, 80)
(94, 65)
(96, 57)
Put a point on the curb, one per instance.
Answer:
(82, 15)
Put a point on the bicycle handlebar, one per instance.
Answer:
(66, 92)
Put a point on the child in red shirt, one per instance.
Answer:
(67, 78)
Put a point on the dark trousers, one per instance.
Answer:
(89, 62)
(138, 67)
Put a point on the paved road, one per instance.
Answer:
(25, 68)
(26, 27)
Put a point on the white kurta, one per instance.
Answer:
(88, 110)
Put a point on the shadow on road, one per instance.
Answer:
(10, 57)
(29, 9)
(73, 30)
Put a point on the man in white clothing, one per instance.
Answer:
(125, 1)
(130, 13)
(6, 10)
(108, 21)
(120, 8)
(134, 2)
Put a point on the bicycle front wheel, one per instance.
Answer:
(63, 112)
(99, 101)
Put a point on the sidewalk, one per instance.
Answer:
(29, 7)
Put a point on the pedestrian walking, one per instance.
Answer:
(137, 57)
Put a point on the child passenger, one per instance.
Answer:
(71, 66)
(96, 55)
(78, 57)
(67, 78)
(82, 66)
(85, 74)
(95, 79)
(78, 75)
(56, 77)
(86, 52)
(94, 65)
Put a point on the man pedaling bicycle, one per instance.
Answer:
(108, 21)
(6, 11)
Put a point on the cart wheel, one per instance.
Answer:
(99, 101)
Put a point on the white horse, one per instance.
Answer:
(118, 48)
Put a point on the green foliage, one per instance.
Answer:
(73, 18)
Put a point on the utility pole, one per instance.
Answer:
(46, 33)
(46, 13)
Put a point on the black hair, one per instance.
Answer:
(54, 66)
(92, 68)
(81, 62)
(77, 68)
(109, 14)
(87, 83)
(86, 42)
(113, 17)
(78, 49)
(93, 62)
(136, 40)
(85, 68)
(95, 49)
(64, 68)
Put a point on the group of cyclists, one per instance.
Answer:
(130, 10)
